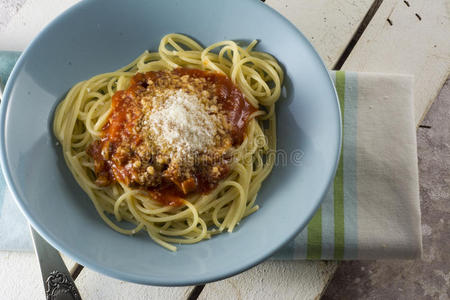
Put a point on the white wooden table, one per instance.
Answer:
(394, 36)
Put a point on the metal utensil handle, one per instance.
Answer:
(58, 283)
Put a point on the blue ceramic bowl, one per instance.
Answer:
(100, 36)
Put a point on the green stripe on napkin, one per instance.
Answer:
(314, 250)
(332, 232)
(339, 179)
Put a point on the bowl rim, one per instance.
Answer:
(124, 275)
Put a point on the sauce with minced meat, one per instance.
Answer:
(113, 164)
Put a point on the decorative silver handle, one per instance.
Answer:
(59, 286)
(58, 283)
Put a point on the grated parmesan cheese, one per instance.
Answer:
(182, 124)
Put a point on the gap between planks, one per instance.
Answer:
(358, 33)
(76, 270)
(197, 290)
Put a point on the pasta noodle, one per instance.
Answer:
(81, 116)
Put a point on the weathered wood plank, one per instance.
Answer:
(29, 21)
(20, 276)
(328, 24)
(93, 285)
(274, 280)
(410, 37)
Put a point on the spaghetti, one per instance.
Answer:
(84, 117)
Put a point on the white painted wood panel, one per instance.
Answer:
(274, 280)
(410, 45)
(32, 17)
(93, 285)
(20, 276)
(328, 24)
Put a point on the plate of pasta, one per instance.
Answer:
(169, 142)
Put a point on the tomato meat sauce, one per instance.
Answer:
(147, 153)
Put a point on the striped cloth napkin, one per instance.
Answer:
(371, 210)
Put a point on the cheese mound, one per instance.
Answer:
(182, 124)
